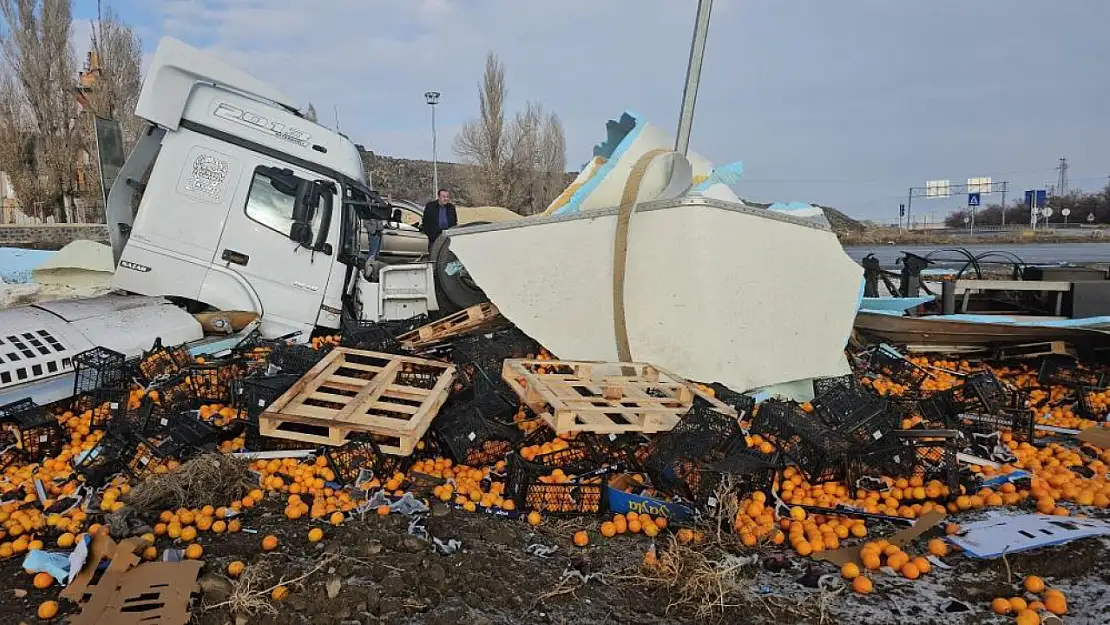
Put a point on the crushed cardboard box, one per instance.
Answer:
(924, 523)
(130, 593)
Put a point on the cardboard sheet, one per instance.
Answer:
(844, 555)
(129, 593)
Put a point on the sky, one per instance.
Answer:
(845, 103)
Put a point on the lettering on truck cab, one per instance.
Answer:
(262, 123)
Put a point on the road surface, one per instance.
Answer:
(1032, 254)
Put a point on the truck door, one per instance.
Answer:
(285, 266)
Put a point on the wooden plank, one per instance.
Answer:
(300, 384)
(371, 392)
(276, 428)
(1011, 285)
(461, 322)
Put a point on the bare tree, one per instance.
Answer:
(117, 75)
(38, 74)
(481, 143)
(518, 165)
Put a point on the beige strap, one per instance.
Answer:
(620, 249)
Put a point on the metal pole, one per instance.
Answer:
(909, 209)
(435, 161)
(693, 76)
(1004, 204)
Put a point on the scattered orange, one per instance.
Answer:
(383, 510)
(1028, 617)
(315, 535)
(1033, 584)
(235, 568)
(861, 585)
(194, 551)
(608, 529)
(1056, 603)
(534, 518)
(279, 593)
(909, 570)
(48, 610)
(581, 538)
(43, 580)
(269, 543)
(938, 547)
(849, 570)
(1001, 605)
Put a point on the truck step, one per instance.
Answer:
(604, 398)
(394, 398)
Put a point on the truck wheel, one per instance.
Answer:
(455, 289)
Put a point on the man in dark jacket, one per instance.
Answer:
(439, 215)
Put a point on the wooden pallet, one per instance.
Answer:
(451, 326)
(606, 398)
(395, 398)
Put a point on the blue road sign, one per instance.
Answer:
(1036, 198)
(1042, 198)
(973, 199)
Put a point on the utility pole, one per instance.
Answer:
(693, 76)
(1062, 179)
(432, 98)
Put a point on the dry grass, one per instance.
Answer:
(251, 593)
(713, 585)
(728, 508)
(881, 236)
(211, 477)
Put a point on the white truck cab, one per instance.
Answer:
(233, 201)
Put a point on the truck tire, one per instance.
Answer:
(454, 292)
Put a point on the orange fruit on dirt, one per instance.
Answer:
(803, 548)
(218, 527)
(634, 526)
(188, 533)
(581, 538)
(1028, 617)
(194, 551)
(922, 564)
(48, 610)
(337, 518)
(1056, 603)
(608, 529)
(234, 525)
(43, 580)
(269, 543)
(862, 585)
(909, 570)
(384, 510)
(938, 547)
(235, 568)
(661, 522)
(871, 561)
(1033, 584)
(1001, 605)
(279, 593)
(534, 518)
(150, 553)
(66, 540)
(315, 535)
(1017, 604)
(850, 570)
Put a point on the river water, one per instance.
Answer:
(1031, 254)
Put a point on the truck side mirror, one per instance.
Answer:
(396, 216)
(306, 200)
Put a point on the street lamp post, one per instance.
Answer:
(432, 98)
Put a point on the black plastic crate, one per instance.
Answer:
(824, 385)
(9, 449)
(39, 434)
(747, 469)
(191, 431)
(817, 450)
(479, 358)
(701, 433)
(377, 336)
(862, 418)
(104, 403)
(162, 361)
(743, 404)
(297, 358)
(928, 454)
(980, 393)
(254, 394)
(532, 488)
(212, 381)
(1066, 371)
(108, 458)
(885, 361)
(1017, 421)
(98, 368)
(156, 454)
(349, 461)
(1088, 407)
(472, 438)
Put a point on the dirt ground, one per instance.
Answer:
(379, 573)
